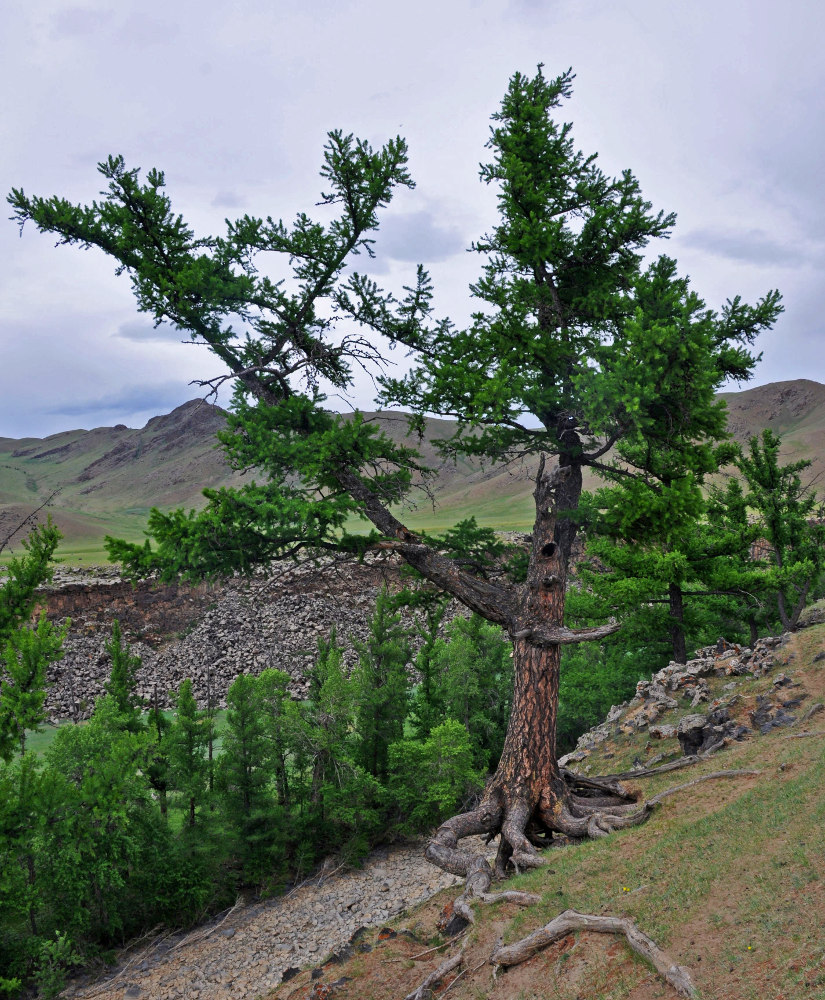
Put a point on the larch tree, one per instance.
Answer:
(789, 517)
(571, 351)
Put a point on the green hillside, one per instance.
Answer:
(109, 478)
(725, 877)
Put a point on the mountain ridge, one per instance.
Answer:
(108, 478)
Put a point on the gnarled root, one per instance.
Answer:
(443, 851)
(590, 808)
(571, 920)
(425, 990)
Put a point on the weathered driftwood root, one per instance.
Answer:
(572, 920)
(425, 990)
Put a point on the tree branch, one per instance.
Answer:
(491, 601)
(565, 636)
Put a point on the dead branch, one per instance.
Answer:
(101, 988)
(563, 635)
(697, 781)
(429, 951)
(818, 707)
(30, 518)
(464, 972)
(200, 935)
(571, 920)
(802, 736)
(424, 991)
(648, 772)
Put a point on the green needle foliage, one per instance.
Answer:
(470, 681)
(381, 687)
(28, 653)
(25, 573)
(790, 520)
(122, 683)
(188, 743)
(25, 653)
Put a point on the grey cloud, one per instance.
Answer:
(140, 30)
(136, 330)
(158, 398)
(76, 22)
(228, 199)
(753, 246)
(418, 237)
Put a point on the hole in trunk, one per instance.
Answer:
(549, 549)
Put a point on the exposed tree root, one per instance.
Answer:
(570, 920)
(425, 990)
(656, 799)
(608, 786)
(591, 808)
(594, 812)
(464, 972)
(674, 765)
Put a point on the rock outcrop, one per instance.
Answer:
(685, 685)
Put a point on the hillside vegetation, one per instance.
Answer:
(726, 877)
(110, 477)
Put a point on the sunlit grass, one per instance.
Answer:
(38, 741)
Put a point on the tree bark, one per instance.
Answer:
(528, 798)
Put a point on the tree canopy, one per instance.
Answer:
(582, 352)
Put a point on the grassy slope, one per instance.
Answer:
(727, 877)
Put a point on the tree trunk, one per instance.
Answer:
(790, 619)
(31, 880)
(528, 770)
(677, 628)
(528, 799)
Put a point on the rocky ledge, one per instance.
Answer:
(685, 685)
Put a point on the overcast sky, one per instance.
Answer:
(716, 105)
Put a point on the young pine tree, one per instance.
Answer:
(280, 725)
(188, 741)
(381, 688)
(790, 519)
(473, 664)
(122, 683)
(27, 655)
